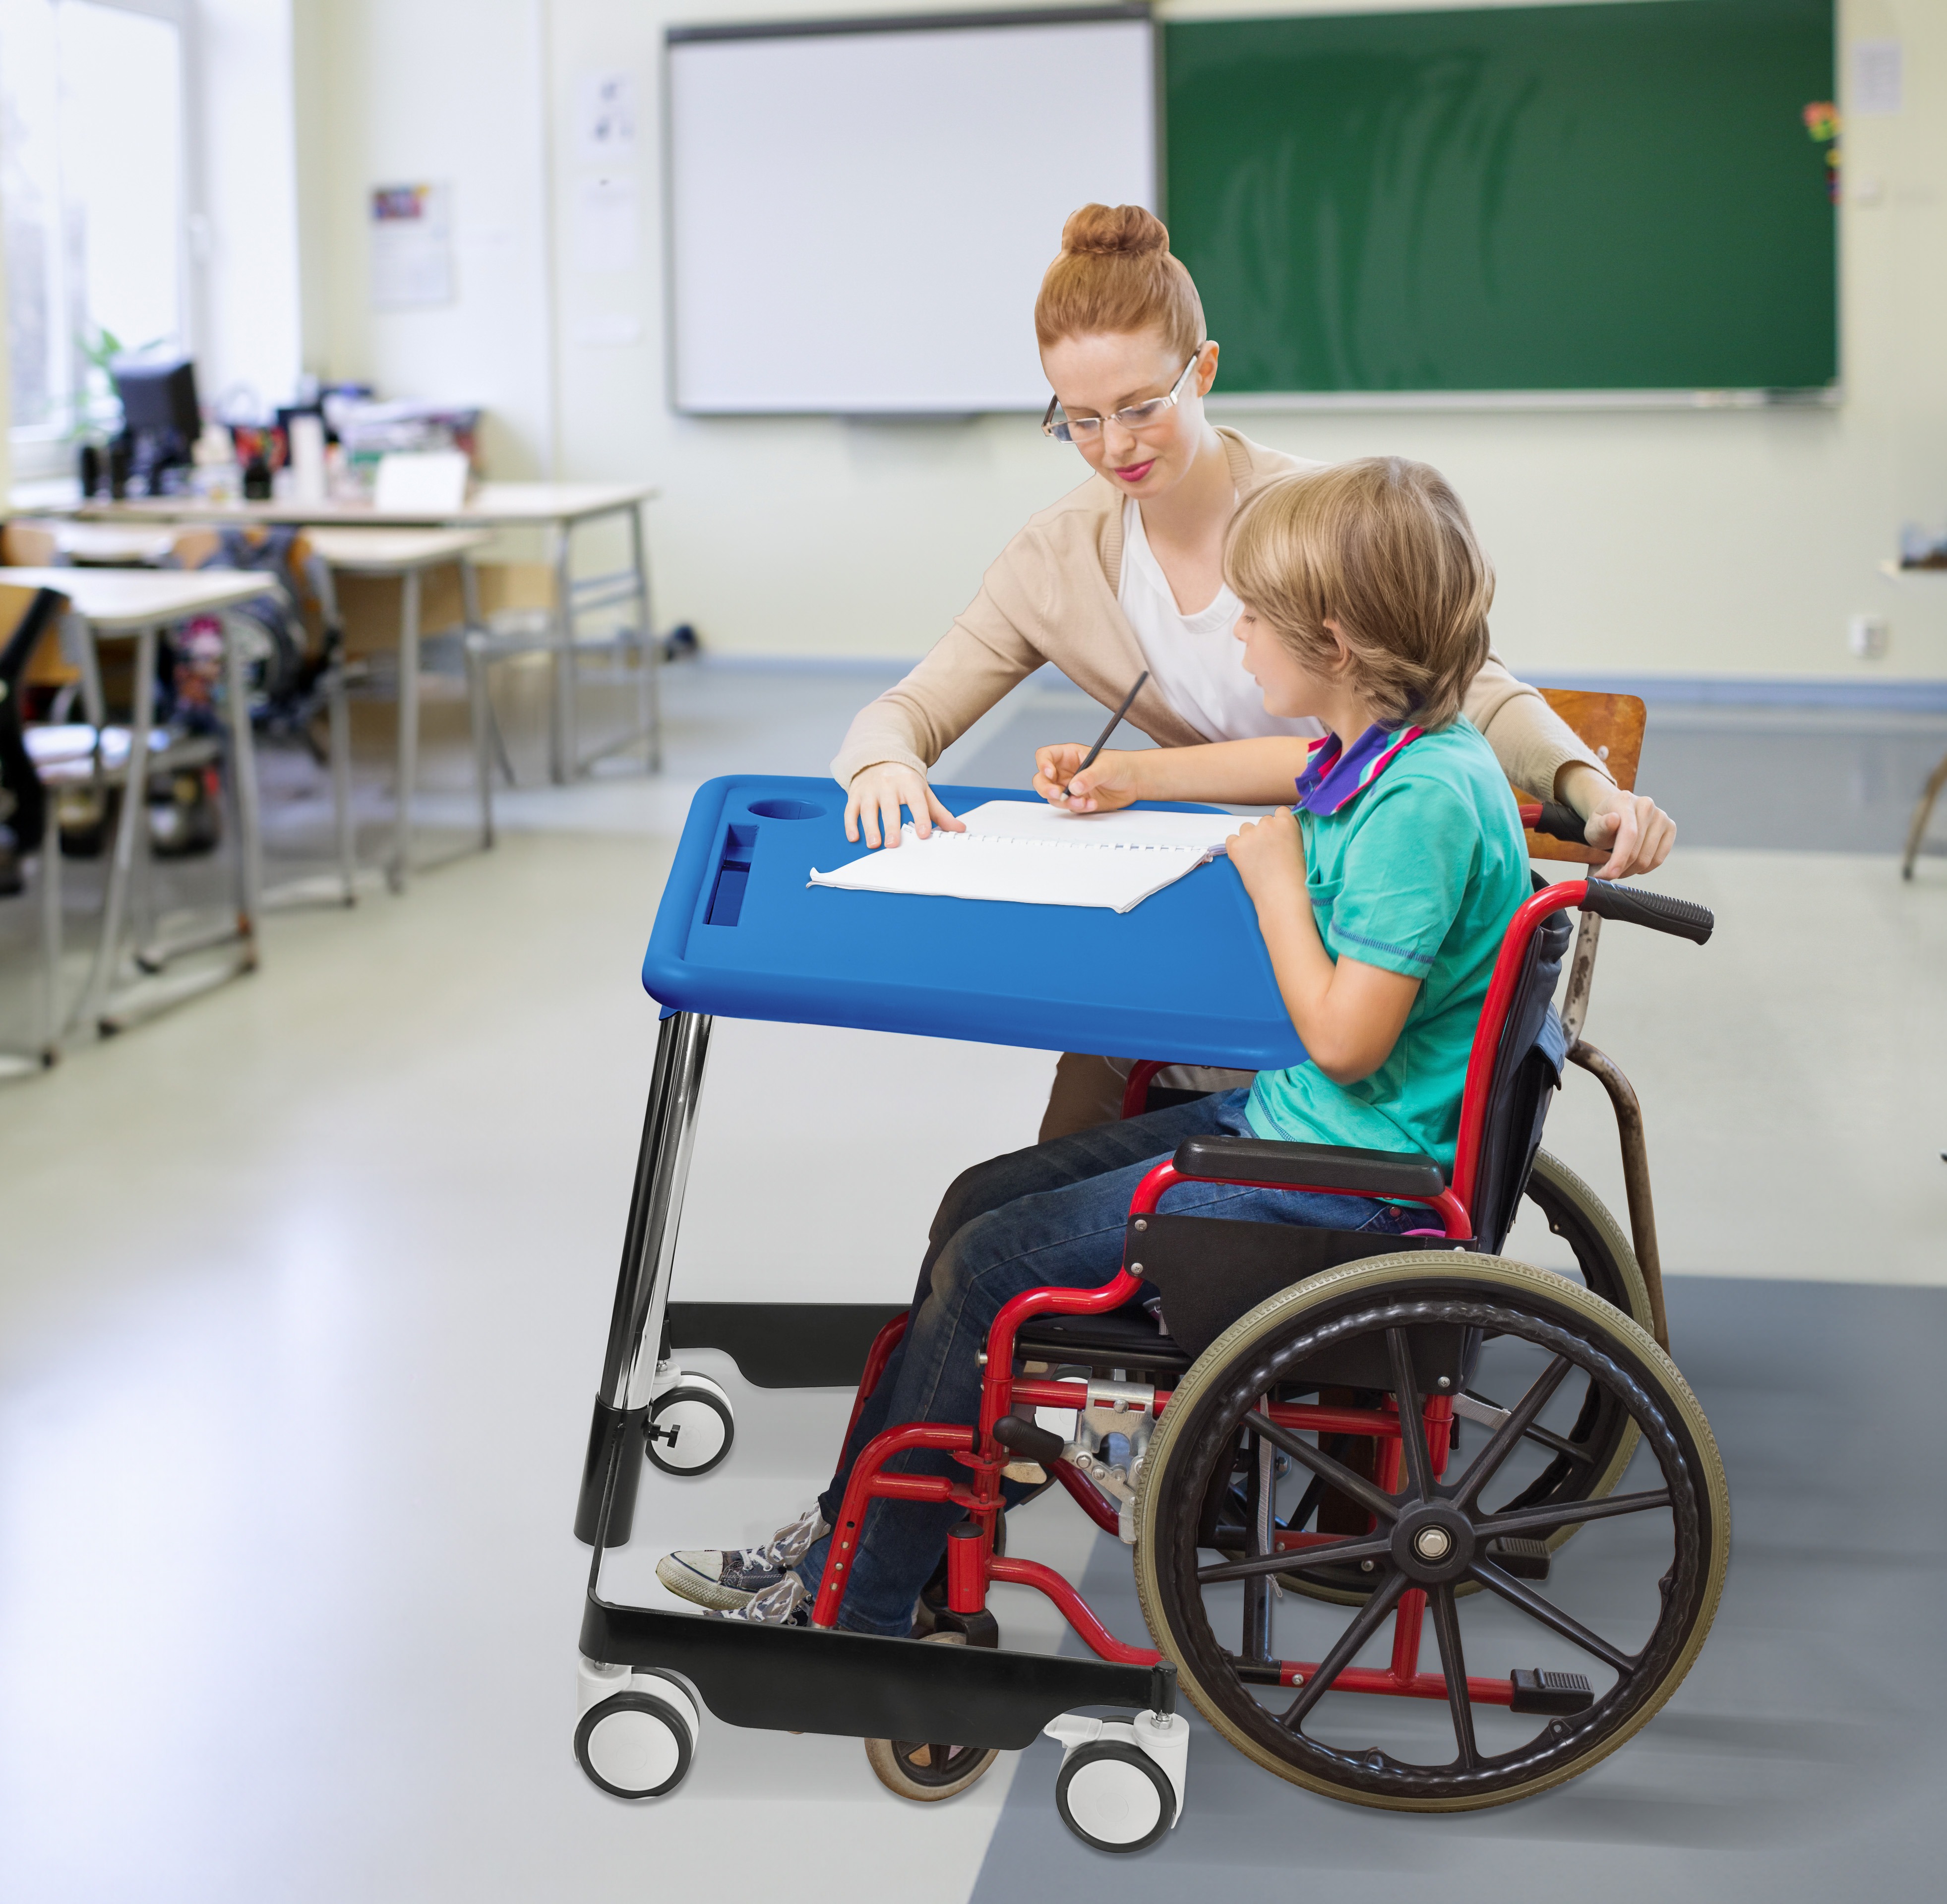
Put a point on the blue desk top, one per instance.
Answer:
(1183, 977)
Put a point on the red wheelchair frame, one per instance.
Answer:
(972, 1564)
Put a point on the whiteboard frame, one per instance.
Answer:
(676, 35)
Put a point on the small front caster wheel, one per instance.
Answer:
(1114, 1797)
(927, 1771)
(690, 1427)
(637, 1744)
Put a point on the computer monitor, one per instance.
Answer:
(158, 395)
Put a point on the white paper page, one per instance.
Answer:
(1036, 820)
(1026, 872)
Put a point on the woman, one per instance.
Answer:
(1124, 573)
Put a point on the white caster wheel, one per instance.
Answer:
(690, 1427)
(1114, 1796)
(637, 1743)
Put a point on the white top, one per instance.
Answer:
(120, 601)
(490, 506)
(392, 551)
(1195, 659)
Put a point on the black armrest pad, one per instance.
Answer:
(1324, 1166)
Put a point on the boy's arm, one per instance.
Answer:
(1348, 1014)
(1234, 773)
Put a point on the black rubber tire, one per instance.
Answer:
(1610, 1270)
(1114, 1750)
(716, 1405)
(1512, 1300)
(635, 1701)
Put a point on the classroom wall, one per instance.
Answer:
(1720, 543)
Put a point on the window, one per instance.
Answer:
(91, 181)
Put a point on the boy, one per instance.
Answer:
(1382, 902)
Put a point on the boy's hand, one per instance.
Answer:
(1113, 781)
(1269, 855)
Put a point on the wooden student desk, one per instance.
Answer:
(560, 509)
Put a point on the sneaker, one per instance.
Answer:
(787, 1603)
(724, 1580)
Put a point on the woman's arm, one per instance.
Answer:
(1347, 1016)
(1234, 773)
(1541, 754)
(893, 741)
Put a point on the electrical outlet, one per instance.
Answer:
(1867, 635)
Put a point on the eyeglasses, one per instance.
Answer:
(1088, 429)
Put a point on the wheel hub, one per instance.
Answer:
(1433, 1544)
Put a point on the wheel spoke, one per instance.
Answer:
(1552, 1514)
(1453, 1665)
(1550, 1615)
(1371, 1617)
(1335, 1474)
(1501, 1444)
(1326, 1553)
(1413, 1428)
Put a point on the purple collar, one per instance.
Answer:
(1334, 772)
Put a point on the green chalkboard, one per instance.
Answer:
(1610, 197)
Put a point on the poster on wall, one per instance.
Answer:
(412, 246)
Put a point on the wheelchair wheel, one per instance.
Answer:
(1577, 1670)
(926, 1772)
(1586, 1459)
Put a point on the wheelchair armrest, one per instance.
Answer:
(1317, 1166)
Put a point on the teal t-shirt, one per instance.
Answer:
(1419, 872)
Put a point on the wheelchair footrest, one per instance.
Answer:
(1525, 1559)
(1537, 1691)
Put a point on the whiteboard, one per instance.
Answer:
(859, 214)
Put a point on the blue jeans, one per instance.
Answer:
(1051, 1216)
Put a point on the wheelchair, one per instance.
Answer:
(1316, 1443)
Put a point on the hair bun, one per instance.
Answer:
(1114, 231)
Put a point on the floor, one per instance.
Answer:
(302, 1292)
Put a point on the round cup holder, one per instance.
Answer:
(786, 810)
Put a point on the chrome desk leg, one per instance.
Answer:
(649, 688)
(51, 923)
(564, 743)
(479, 708)
(641, 1289)
(401, 869)
(133, 824)
(243, 790)
(344, 825)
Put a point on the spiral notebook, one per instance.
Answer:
(1033, 854)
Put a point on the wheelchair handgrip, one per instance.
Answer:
(1655, 909)
(1556, 822)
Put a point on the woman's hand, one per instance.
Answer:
(1637, 832)
(1269, 855)
(1112, 781)
(873, 801)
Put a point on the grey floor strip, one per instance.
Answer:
(1802, 1759)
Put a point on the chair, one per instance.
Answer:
(28, 618)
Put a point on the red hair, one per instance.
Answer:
(1115, 277)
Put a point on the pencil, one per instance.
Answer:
(1102, 739)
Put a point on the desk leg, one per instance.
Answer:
(563, 741)
(133, 822)
(402, 866)
(648, 693)
(244, 792)
(641, 1289)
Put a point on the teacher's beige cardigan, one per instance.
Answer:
(1051, 596)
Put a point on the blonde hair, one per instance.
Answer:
(1383, 549)
(1115, 277)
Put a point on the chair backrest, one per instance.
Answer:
(27, 617)
(1527, 1068)
(28, 545)
(1610, 726)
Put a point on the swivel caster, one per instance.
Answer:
(1121, 1784)
(691, 1427)
(636, 1741)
